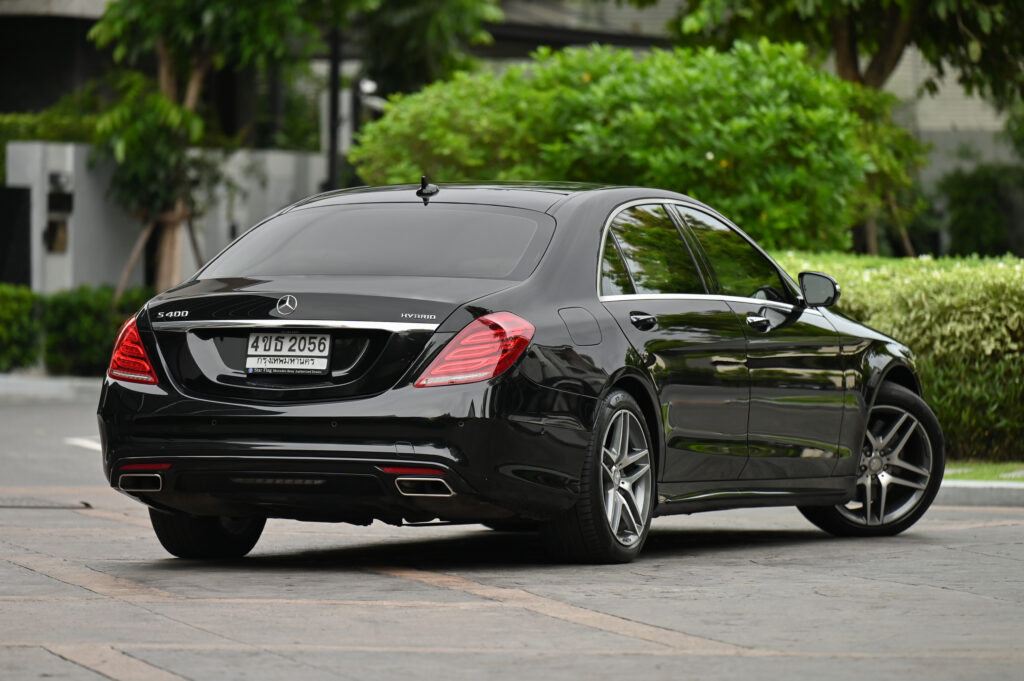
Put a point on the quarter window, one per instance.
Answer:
(614, 277)
(740, 268)
(655, 253)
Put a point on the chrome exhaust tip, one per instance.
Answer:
(140, 482)
(424, 487)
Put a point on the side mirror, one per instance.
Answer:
(819, 290)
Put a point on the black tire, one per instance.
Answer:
(922, 450)
(206, 537)
(585, 532)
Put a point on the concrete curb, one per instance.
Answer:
(980, 493)
(27, 387)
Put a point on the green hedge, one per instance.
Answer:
(20, 331)
(964, 320)
(780, 146)
(80, 326)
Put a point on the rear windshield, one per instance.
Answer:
(437, 240)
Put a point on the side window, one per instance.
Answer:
(614, 277)
(656, 255)
(740, 268)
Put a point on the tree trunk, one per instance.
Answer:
(195, 243)
(168, 261)
(133, 260)
(165, 71)
(908, 246)
(871, 234)
(898, 25)
(844, 37)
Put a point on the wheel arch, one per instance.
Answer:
(896, 372)
(640, 389)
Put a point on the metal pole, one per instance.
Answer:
(333, 122)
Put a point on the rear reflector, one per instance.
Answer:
(130, 361)
(145, 466)
(485, 348)
(402, 470)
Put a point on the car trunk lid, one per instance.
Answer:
(363, 333)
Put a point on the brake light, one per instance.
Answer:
(485, 348)
(410, 470)
(130, 361)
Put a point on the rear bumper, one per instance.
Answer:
(504, 448)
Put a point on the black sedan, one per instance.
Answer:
(575, 359)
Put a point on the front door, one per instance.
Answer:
(793, 356)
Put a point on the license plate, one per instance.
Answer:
(288, 353)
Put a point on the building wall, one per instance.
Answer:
(100, 234)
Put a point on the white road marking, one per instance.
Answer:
(84, 443)
(112, 663)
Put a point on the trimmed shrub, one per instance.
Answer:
(963, 319)
(778, 145)
(81, 325)
(20, 331)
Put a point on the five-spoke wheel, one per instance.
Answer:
(626, 477)
(899, 473)
(612, 515)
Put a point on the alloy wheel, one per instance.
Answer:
(895, 468)
(626, 477)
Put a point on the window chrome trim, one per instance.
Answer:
(189, 324)
(692, 205)
(788, 307)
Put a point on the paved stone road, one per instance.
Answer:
(87, 593)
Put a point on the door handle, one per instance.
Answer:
(643, 321)
(759, 323)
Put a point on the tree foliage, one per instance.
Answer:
(757, 132)
(980, 42)
(148, 136)
(409, 44)
(190, 37)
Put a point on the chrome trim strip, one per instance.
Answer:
(693, 206)
(187, 325)
(727, 493)
(788, 307)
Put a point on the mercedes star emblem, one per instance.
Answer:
(286, 305)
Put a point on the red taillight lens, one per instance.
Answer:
(410, 470)
(130, 361)
(485, 348)
(145, 466)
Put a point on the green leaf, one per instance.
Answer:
(974, 50)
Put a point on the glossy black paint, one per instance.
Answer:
(740, 415)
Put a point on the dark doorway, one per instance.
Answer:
(15, 227)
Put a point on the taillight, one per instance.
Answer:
(486, 347)
(130, 361)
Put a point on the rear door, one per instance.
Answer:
(793, 356)
(692, 344)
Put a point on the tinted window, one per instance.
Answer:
(741, 269)
(415, 240)
(655, 253)
(614, 277)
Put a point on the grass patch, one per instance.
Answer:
(1008, 471)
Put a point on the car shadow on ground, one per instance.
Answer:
(487, 548)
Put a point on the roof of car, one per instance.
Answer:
(539, 196)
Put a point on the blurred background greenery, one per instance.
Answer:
(779, 113)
